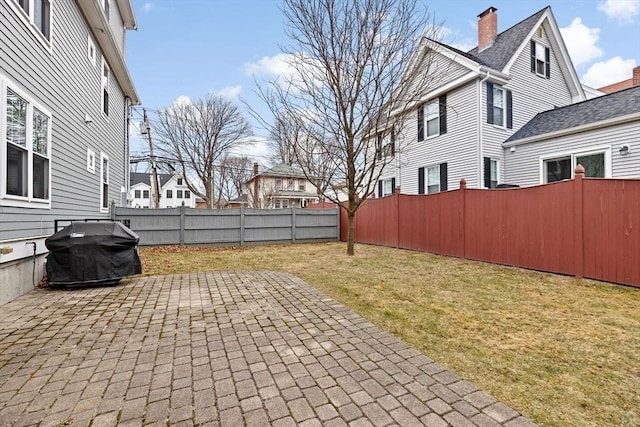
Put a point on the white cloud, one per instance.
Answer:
(278, 65)
(255, 147)
(182, 100)
(581, 42)
(230, 92)
(607, 72)
(452, 37)
(148, 7)
(624, 11)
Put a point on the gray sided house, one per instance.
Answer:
(477, 100)
(65, 93)
(602, 134)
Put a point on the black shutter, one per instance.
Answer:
(393, 185)
(421, 123)
(487, 172)
(420, 180)
(547, 62)
(442, 101)
(379, 188)
(379, 145)
(444, 179)
(533, 56)
(489, 102)
(509, 110)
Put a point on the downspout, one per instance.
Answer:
(486, 77)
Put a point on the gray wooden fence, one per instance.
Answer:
(229, 227)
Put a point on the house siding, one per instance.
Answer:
(456, 147)
(531, 94)
(62, 80)
(524, 163)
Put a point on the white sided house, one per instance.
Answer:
(65, 93)
(477, 101)
(281, 186)
(173, 191)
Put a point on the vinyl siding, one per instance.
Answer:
(64, 81)
(458, 147)
(524, 163)
(531, 94)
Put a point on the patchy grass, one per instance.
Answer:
(560, 350)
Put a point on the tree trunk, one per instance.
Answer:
(351, 234)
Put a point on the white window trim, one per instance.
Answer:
(91, 46)
(388, 181)
(542, 46)
(102, 86)
(91, 161)
(104, 157)
(426, 179)
(491, 159)
(504, 107)
(28, 21)
(606, 149)
(435, 101)
(10, 199)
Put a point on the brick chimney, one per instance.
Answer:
(636, 76)
(487, 28)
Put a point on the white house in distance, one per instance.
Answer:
(281, 186)
(173, 191)
(65, 96)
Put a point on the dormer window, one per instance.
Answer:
(540, 59)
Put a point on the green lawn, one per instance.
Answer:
(561, 351)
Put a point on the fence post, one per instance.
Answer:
(463, 188)
(241, 225)
(578, 251)
(293, 224)
(182, 223)
(397, 196)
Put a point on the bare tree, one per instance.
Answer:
(352, 63)
(197, 134)
(233, 173)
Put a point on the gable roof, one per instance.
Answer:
(283, 170)
(506, 43)
(607, 107)
(145, 178)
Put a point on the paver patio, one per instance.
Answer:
(219, 348)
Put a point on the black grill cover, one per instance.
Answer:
(92, 253)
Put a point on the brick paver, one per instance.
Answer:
(219, 348)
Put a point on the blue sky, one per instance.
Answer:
(190, 48)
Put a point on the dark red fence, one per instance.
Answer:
(585, 227)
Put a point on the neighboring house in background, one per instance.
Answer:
(625, 84)
(238, 202)
(282, 186)
(601, 134)
(480, 99)
(65, 94)
(173, 191)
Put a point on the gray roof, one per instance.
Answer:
(283, 170)
(145, 178)
(594, 110)
(506, 43)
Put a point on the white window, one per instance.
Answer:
(540, 59)
(136, 194)
(387, 187)
(26, 150)
(91, 161)
(490, 172)
(91, 50)
(105, 87)
(278, 184)
(290, 185)
(432, 112)
(596, 163)
(104, 183)
(145, 194)
(169, 194)
(285, 204)
(386, 144)
(179, 181)
(498, 106)
(433, 179)
(301, 185)
(37, 13)
(187, 194)
(178, 194)
(276, 204)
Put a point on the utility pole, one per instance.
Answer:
(155, 188)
